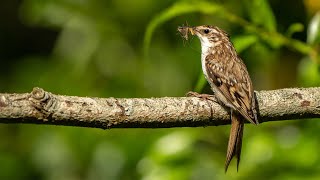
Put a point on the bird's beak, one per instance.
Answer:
(192, 31)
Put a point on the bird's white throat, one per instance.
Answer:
(205, 45)
(205, 48)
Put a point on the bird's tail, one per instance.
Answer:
(235, 139)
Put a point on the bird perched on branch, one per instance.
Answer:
(229, 79)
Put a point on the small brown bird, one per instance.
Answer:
(229, 79)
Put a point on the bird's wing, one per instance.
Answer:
(233, 82)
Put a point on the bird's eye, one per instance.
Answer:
(206, 31)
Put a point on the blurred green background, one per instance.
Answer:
(130, 48)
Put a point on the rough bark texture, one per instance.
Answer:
(41, 107)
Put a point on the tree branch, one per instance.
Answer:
(41, 107)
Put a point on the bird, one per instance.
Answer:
(229, 79)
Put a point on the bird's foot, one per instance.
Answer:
(201, 96)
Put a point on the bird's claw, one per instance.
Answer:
(201, 96)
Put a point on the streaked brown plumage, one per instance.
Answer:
(229, 79)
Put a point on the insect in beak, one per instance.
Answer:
(184, 31)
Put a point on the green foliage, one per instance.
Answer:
(260, 14)
(130, 49)
(294, 28)
(243, 42)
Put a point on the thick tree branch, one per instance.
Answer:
(41, 107)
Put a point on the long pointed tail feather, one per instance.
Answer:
(235, 139)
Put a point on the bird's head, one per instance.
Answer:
(209, 35)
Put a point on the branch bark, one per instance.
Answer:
(41, 107)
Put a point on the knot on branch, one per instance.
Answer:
(43, 101)
(38, 94)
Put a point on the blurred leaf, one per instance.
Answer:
(313, 35)
(293, 28)
(177, 9)
(201, 82)
(309, 72)
(170, 157)
(77, 42)
(261, 14)
(243, 42)
(174, 145)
